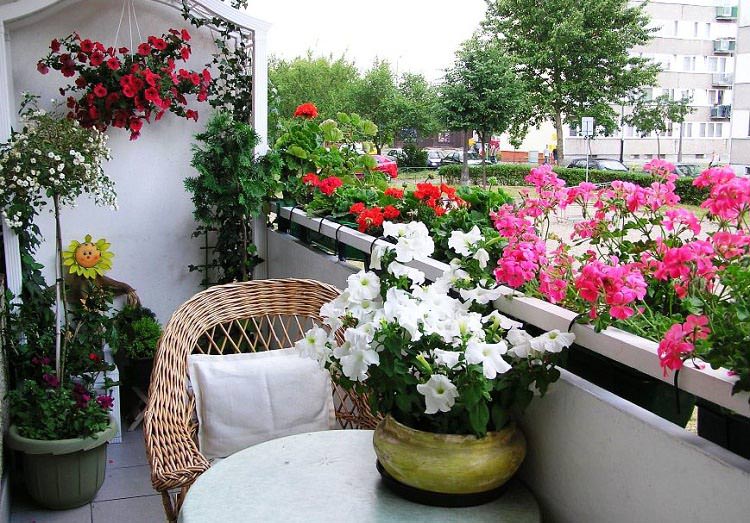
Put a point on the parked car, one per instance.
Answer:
(394, 153)
(387, 165)
(456, 157)
(602, 164)
(687, 169)
(434, 157)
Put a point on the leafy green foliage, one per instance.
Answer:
(48, 413)
(232, 90)
(573, 56)
(412, 156)
(514, 174)
(137, 332)
(229, 190)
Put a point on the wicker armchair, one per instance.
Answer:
(237, 317)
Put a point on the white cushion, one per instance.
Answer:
(245, 399)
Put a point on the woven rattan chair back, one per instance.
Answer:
(239, 317)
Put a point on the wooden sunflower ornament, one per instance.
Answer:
(88, 259)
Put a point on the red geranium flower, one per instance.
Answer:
(191, 114)
(394, 193)
(42, 68)
(113, 63)
(185, 35)
(357, 208)
(370, 218)
(100, 91)
(96, 59)
(81, 82)
(390, 212)
(87, 46)
(311, 179)
(185, 52)
(306, 110)
(55, 45)
(144, 49)
(329, 185)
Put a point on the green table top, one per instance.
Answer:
(325, 476)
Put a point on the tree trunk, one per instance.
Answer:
(560, 139)
(482, 137)
(465, 179)
(658, 146)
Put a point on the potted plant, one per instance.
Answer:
(125, 88)
(60, 423)
(445, 369)
(137, 334)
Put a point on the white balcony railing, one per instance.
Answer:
(623, 347)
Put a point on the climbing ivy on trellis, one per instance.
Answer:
(232, 64)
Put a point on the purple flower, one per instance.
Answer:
(51, 380)
(105, 401)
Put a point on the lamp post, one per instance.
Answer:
(622, 134)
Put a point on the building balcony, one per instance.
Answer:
(724, 46)
(722, 79)
(726, 13)
(721, 112)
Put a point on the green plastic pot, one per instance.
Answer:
(65, 473)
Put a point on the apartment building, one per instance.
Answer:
(740, 142)
(695, 43)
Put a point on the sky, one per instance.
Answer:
(418, 36)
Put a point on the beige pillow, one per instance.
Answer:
(245, 399)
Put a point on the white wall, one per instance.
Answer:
(592, 456)
(150, 234)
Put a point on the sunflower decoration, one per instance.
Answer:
(88, 259)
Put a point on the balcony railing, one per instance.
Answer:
(724, 45)
(721, 112)
(722, 79)
(726, 12)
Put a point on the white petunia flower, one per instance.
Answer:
(520, 341)
(553, 341)
(363, 286)
(448, 358)
(503, 322)
(490, 355)
(481, 295)
(356, 355)
(314, 345)
(399, 269)
(482, 256)
(465, 242)
(439, 394)
(401, 308)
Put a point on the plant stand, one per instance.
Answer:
(143, 401)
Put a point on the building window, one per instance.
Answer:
(700, 156)
(696, 29)
(719, 130)
(636, 156)
(747, 171)
(707, 31)
(688, 130)
(702, 131)
(688, 63)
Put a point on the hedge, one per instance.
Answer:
(514, 174)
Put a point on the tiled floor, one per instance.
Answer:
(125, 497)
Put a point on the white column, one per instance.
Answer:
(260, 123)
(260, 88)
(10, 239)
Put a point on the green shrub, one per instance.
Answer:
(514, 174)
(412, 156)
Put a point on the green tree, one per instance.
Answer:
(573, 55)
(324, 81)
(419, 107)
(655, 115)
(481, 92)
(378, 99)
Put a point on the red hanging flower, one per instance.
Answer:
(306, 110)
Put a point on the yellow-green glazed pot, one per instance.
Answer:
(449, 463)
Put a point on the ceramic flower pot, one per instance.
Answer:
(63, 474)
(447, 463)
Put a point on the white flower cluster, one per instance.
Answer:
(425, 310)
(51, 156)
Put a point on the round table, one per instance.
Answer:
(325, 476)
